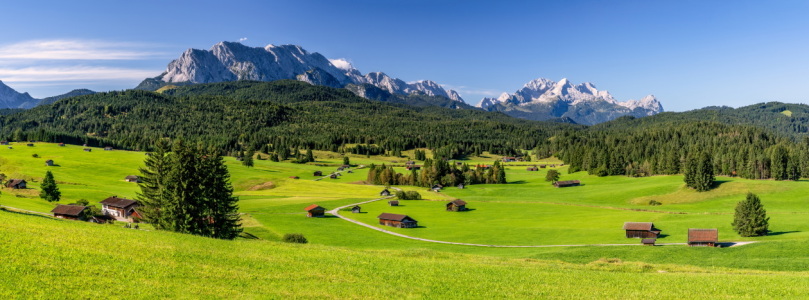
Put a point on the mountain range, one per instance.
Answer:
(10, 98)
(542, 99)
(228, 61)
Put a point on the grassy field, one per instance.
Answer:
(527, 211)
(48, 258)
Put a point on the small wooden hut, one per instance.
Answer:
(356, 209)
(396, 220)
(318, 173)
(648, 242)
(703, 237)
(71, 212)
(566, 183)
(132, 178)
(384, 193)
(29, 145)
(315, 211)
(393, 202)
(108, 148)
(437, 188)
(61, 144)
(333, 176)
(641, 230)
(457, 205)
(534, 168)
(17, 184)
(49, 162)
(87, 150)
(461, 186)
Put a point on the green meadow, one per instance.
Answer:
(342, 258)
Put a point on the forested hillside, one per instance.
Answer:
(236, 115)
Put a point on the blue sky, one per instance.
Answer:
(689, 54)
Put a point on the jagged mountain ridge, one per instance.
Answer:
(543, 99)
(10, 98)
(229, 61)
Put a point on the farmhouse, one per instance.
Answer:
(566, 183)
(318, 173)
(71, 212)
(534, 168)
(648, 242)
(87, 150)
(119, 208)
(132, 178)
(315, 211)
(703, 237)
(49, 162)
(641, 230)
(457, 205)
(384, 193)
(393, 202)
(395, 220)
(356, 209)
(16, 184)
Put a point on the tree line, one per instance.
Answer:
(437, 172)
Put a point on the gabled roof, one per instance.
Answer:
(385, 191)
(458, 202)
(648, 241)
(118, 202)
(703, 235)
(394, 217)
(69, 210)
(131, 177)
(313, 206)
(14, 182)
(638, 226)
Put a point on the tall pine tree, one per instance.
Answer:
(750, 218)
(49, 190)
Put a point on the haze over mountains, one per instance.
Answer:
(10, 98)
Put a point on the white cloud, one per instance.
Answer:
(72, 73)
(464, 90)
(75, 50)
(341, 63)
(242, 39)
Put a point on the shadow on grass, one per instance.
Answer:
(781, 232)
(717, 183)
(518, 182)
(26, 213)
(660, 236)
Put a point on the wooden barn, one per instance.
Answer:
(542, 166)
(567, 183)
(641, 230)
(17, 184)
(49, 162)
(457, 205)
(703, 237)
(413, 167)
(393, 202)
(71, 212)
(356, 209)
(108, 148)
(315, 211)
(87, 150)
(437, 188)
(384, 193)
(648, 242)
(119, 208)
(333, 176)
(534, 168)
(132, 178)
(318, 173)
(395, 220)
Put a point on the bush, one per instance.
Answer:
(35, 155)
(409, 195)
(294, 238)
(654, 203)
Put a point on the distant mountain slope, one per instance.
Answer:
(227, 61)
(10, 98)
(73, 93)
(544, 99)
(786, 119)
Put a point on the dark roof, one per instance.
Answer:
(50, 160)
(567, 182)
(385, 191)
(394, 202)
(131, 177)
(394, 217)
(312, 207)
(458, 202)
(118, 202)
(68, 210)
(356, 206)
(648, 241)
(703, 235)
(14, 182)
(638, 226)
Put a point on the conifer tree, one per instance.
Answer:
(309, 156)
(152, 182)
(247, 159)
(49, 190)
(750, 218)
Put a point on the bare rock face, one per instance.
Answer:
(227, 61)
(543, 99)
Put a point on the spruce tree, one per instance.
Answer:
(247, 159)
(309, 156)
(750, 218)
(152, 186)
(49, 190)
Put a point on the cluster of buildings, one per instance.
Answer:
(646, 231)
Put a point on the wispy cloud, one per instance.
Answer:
(76, 50)
(464, 90)
(242, 39)
(72, 73)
